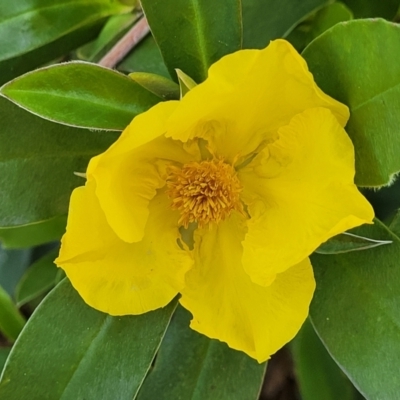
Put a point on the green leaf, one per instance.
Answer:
(33, 32)
(186, 83)
(13, 264)
(265, 20)
(4, 352)
(356, 312)
(346, 242)
(145, 57)
(39, 278)
(350, 63)
(81, 95)
(112, 31)
(203, 32)
(159, 85)
(11, 321)
(318, 375)
(395, 224)
(34, 234)
(191, 366)
(70, 351)
(37, 164)
(373, 8)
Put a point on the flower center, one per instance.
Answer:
(204, 191)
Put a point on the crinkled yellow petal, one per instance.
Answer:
(117, 277)
(247, 96)
(300, 192)
(228, 306)
(129, 173)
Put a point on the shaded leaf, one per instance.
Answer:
(203, 32)
(68, 350)
(186, 83)
(265, 20)
(39, 278)
(80, 94)
(372, 8)
(191, 366)
(37, 163)
(11, 321)
(318, 375)
(350, 64)
(356, 312)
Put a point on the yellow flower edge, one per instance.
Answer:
(256, 162)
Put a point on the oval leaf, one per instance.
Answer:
(356, 312)
(28, 40)
(191, 366)
(80, 94)
(71, 351)
(203, 32)
(37, 163)
(159, 85)
(11, 321)
(350, 63)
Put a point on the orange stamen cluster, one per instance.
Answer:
(204, 191)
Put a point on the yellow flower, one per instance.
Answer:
(256, 161)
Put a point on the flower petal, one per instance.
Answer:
(247, 96)
(129, 173)
(227, 306)
(116, 277)
(300, 192)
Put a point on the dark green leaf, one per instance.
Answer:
(350, 63)
(203, 32)
(157, 84)
(395, 224)
(39, 278)
(4, 352)
(34, 234)
(356, 312)
(11, 321)
(373, 8)
(33, 32)
(145, 57)
(318, 375)
(37, 164)
(191, 366)
(81, 95)
(70, 351)
(13, 264)
(265, 20)
(345, 242)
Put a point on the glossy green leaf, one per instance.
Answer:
(350, 63)
(39, 278)
(157, 84)
(186, 83)
(33, 32)
(80, 94)
(346, 242)
(11, 321)
(37, 163)
(70, 351)
(265, 20)
(145, 57)
(373, 8)
(356, 312)
(112, 31)
(191, 366)
(13, 264)
(318, 375)
(203, 32)
(34, 234)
